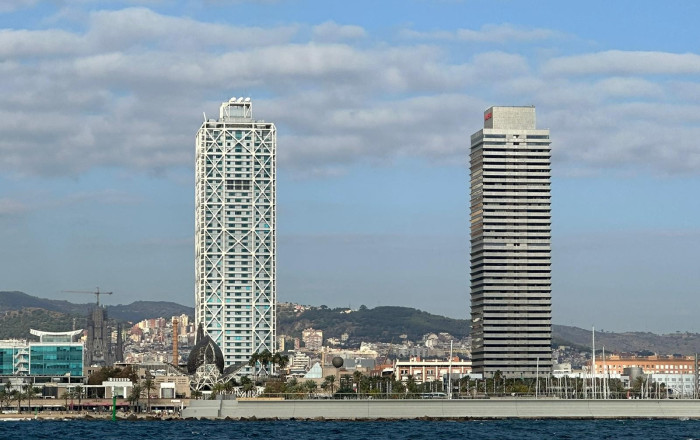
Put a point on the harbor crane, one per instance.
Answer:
(97, 293)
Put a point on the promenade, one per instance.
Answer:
(442, 409)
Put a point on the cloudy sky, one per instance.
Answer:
(374, 104)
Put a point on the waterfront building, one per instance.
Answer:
(677, 385)
(510, 245)
(430, 370)
(235, 248)
(56, 354)
(655, 364)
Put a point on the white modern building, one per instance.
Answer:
(681, 386)
(510, 245)
(235, 243)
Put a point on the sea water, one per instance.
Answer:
(320, 430)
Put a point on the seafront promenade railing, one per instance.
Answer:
(400, 396)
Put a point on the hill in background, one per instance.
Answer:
(19, 312)
(380, 324)
(629, 342)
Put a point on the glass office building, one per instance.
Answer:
(56, 354)
(55, 359)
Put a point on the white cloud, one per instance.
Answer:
(644, 136)
(13, 5)
(10, 207)
(332, 31)
(629, 87)
(25, 43)
(618, 62)
(146, 29)
(487, 34)
(32, 201)
(431, 127)
(128, 91)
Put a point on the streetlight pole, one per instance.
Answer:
(449, 375)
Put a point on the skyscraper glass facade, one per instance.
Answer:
(510, 245)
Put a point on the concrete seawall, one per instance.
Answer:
(458, 409)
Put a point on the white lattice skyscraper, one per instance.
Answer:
(235, 232)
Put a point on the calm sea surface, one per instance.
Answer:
(299, 430)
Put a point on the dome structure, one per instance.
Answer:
(205, 351)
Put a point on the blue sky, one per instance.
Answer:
(374, 104)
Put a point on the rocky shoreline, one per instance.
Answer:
(58, 415)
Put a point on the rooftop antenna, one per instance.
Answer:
(205, 116)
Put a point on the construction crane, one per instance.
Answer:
(97, 293)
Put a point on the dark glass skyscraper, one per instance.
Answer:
(510, 245)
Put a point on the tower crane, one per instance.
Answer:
(97, 293)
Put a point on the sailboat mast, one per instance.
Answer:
(593, 363)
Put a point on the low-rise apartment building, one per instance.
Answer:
(655, 364)
(431, 369)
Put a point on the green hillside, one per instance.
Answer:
(380, 324)
(15, 324)
(134, 312)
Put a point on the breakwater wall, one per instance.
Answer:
(445, 409)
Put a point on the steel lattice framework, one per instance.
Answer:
(235, 232)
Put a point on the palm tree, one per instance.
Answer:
(3, 399)
(265, 360)
(329, 381)
(247, 384)
(218, 389)
(411, 387)
(497, 376)
(135, 395)
(357, 376)
(65, 396)
(148, 385)
(78, 390)
(310, 386)
(196, 394)
(281, 360)
(29, 393)
(7, 394)
(228, 386)
(18, 396)
(253, 362)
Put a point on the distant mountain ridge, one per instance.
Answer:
(380, 324)
(133, 312)
(389, 323)
(19, 311)
(629, 342)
